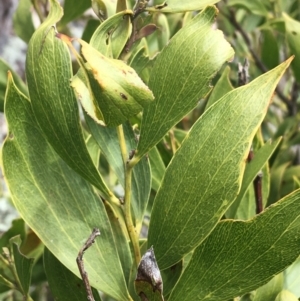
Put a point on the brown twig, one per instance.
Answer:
(80, 264)
(258, 192)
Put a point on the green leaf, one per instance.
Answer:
(22, 20)
(252, 169)
(48, 72)
(238, 256)
(23, 264)
(108, 142)
(57, 203)
(64, 285)
(222, 87)
(292, 28)
(4, 68)
(181, 76)
(157, 168)
(276, 182)
(255, 6)
(205, 174)
(170, 276)
(269, 49)
(286, 296)
(176, 6)
(73, 11)
(116, 91)
(17, 228)
(120, 235)
(269, 291)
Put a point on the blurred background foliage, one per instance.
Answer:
(263, 34)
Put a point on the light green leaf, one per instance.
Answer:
(238, 256)
(23, 264)
(22, 20)
(4, 68)
(286, 296)
(108, 142)
(107, 7)
(56, 203)
(176, 6)
(111, 36)
(292, 278)
(93, 149)
(292, 28)
(64, 285)
(181, 76)
(73, 11)
(205, 174)
(222, 87)
(48, 72)
(269, 291)
(252, 169)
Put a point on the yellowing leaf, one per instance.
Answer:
(116, 92)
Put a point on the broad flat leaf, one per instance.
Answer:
(238, 256)
(269, 291)
(23, 264)
(286, 296)
(48, 72)
(292, 278)
(73, 10)
(4, 67)
(64, 285)
(111, 36)
(57, 203)
(222, 87)
(292, 28)
(176, 6)
(22, 20)
(181, 76)
(251, 171)
(205, 174)
(108, 142)
(116, 92)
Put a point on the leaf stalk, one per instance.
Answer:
(127, 199)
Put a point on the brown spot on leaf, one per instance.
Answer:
(123, 96)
